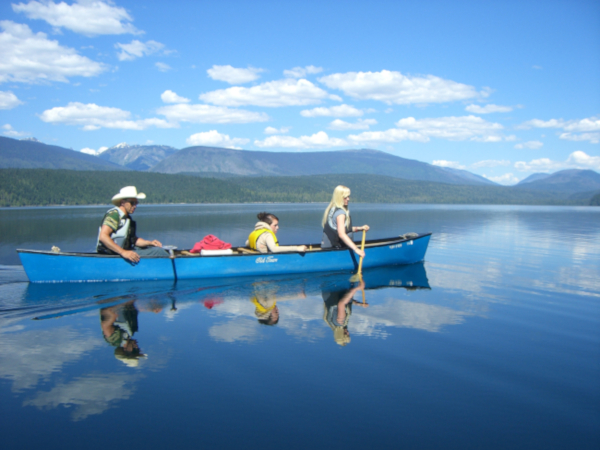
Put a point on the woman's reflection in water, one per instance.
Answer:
(338, 309)
(264, 297)
(119, 324)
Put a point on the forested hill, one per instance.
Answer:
(42, 187)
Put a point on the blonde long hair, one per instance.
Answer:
(337, 201)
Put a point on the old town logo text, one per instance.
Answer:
(266, 259)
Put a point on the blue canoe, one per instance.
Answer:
(50, 267)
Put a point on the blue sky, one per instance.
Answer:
(502, 89)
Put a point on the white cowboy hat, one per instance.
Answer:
(127, 192)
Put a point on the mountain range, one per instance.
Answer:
(225, 163)
(569, 181)
(257, 163)
(31, 154)
(137, 157)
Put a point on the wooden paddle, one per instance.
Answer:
(357, 276)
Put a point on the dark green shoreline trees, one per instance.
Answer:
(44, 187)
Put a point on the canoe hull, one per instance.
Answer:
(89, 267)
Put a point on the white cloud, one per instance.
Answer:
(214, 138)
(137, 49)
(90, 18)
(487, 109)
(582, 160)
(8, 100)
(374, 320)
(360, 124)
(487, 138)
(87, 395)
(28, 57)
(210, 114)
(539, 165)
(233, 75)
(91, 151)
(589, 130)
(28, 357)
(451, 164)
(576, 160)
(301, 72)
(303, 319)
(238, 330)
(576, 130)
(317, 140)
(288, 92)
(93, 117)
(10, 131)
(171, 97)
(490, 163)
(507, 179)
(454, 128)
(162, 67)
(537, 123)
(273, 130)
(334, 111)
(386, 137)
(533, 145)
(594, 138)
(590, 124)
(394, 88)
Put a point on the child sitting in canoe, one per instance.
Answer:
(264, 239)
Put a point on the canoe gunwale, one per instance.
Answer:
(368, 244)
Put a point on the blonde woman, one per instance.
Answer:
(337, 223)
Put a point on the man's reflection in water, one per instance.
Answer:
(264, 297)
(119, 324)
(338, 309)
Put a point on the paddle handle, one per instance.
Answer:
(362, 248)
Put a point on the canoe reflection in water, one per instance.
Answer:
(119, 323)
(299, 304)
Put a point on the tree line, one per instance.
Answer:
(45, 187)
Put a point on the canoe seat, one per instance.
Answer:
(247, 250)
(187, 253)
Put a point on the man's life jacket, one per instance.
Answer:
(253, 238)
(125, 231)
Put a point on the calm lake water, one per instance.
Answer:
(493, 342)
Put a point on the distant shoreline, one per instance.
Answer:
(59, 188)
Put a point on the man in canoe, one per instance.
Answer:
(117, 234)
